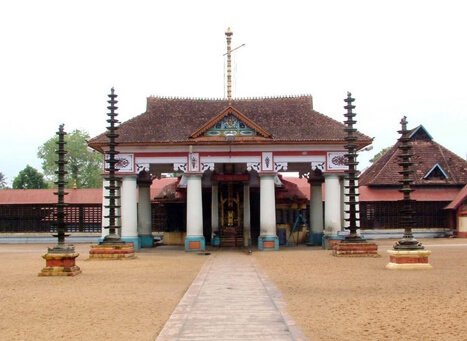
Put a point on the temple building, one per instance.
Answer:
(228, 154)
(438, 179)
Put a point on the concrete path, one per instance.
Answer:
(230, 299)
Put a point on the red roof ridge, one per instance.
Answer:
(221, 99)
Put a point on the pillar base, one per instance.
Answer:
(462, 234)
(268, 243)
(328, 241)
(216, 241)
(315, 239)
(408, 259)
(146, 240)
(112, 251)
(195, 243)
(60, 264)
(349, 249)
(135, 240)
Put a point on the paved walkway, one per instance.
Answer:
(230, 299)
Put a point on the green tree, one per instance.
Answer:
(29, 178)
(2, 181)
(84, 167)
(379, 154)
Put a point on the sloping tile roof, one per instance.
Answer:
(47, 196)
(458, 200)
(288, 119)
(75, 196)
(426, 154)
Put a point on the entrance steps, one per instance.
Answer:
(231, 241)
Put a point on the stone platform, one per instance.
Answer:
(359, 249)
(109, 251)
(60, 264)
(408, 259)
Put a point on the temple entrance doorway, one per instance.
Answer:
(231, 214)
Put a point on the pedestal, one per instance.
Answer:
(195, 243)
(108, 251)
(268, 243)
(60, 264)
(357, 249)
(408, 259)
(328, 241)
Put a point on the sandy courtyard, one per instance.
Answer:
(330, 298)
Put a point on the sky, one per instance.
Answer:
(59, 59)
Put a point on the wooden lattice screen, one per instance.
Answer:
(385, 215)
(41, 218)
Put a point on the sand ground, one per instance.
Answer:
(336, 298)
(330, 298)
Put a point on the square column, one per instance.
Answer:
(267, 239)
(129, 197)
(194, 240)
(333, 210)
(316, 214)
(144, 209)
(246, 216)
(215, 239)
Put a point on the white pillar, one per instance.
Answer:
(332, 212)
(267, 220)
(105, 211)
(144, 215)
(345, 207)
(128, 201)
(194, 240)
(316, 212)
(246, 216)
(214, 208)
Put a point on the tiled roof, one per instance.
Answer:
(426, 154)
(288, 119)
(47, 196)
(74, 196)
(460, 198)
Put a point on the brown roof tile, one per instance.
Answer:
(288, 119)
(426, 154)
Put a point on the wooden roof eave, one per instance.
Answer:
(238, 141)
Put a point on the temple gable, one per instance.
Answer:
(230, 123)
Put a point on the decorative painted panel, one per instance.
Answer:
(336, 161)
(230, 126)
(125, 163)
(193, 162)
(266, 162)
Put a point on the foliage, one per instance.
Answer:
(84, 167)
(2, 181)
(379, 154)
(29, 178)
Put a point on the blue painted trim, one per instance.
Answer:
(216, 241)
(147, 240)
(135, 240)
(262, 239)
(200, 239)
(315, 239)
